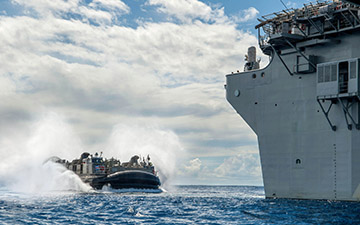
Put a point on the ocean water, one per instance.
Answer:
(181, 205)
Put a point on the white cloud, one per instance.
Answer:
(99, 76)
(290, 4)
(246, 15)
(242, 168)
(187, 10)
(98, 16)
(242, 165)
(193, 167)
(184, 53)
(45, 7)
(7, 87)
(99, 11)
(112, 5)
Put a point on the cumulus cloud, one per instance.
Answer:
(6, 86)
(98, 16)
(291, 4)
(98, 11)
(111, 4)
(194, 166)
(187, 10)
(100, 73)
(44, 6)
(243, 168)
(240, 165)
(246, 15)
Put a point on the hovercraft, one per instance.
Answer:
(99, 172)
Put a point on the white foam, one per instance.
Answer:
(23, 154)
(23, 169)
(162, 145)
(107, 189)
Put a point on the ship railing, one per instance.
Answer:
(308, 10)
(263, 40)
(314, 19)
(343, 87)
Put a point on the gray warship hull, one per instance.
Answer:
(305, 109)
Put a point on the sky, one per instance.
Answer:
(131, 74)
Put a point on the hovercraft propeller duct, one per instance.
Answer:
(354, 2)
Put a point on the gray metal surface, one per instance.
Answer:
(302, 157)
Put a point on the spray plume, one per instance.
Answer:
(25, 168)
(163, 146)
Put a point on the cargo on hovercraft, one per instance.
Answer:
(99, 172)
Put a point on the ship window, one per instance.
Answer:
(343, 77)
(254, 76)
(96, 160)
(327, 73)
(321, 74)
(298, 161)
(353, 70)
(334, 72)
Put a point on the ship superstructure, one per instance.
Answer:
(305, 105)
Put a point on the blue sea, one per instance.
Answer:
(180, 205)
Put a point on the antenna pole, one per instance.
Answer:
(284, 5)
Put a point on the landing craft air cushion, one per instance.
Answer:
(99, 172)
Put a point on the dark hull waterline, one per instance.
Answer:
(127, 179)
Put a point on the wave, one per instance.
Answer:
(107, 189)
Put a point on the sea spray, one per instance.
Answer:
(24, 167)
(163, 147)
